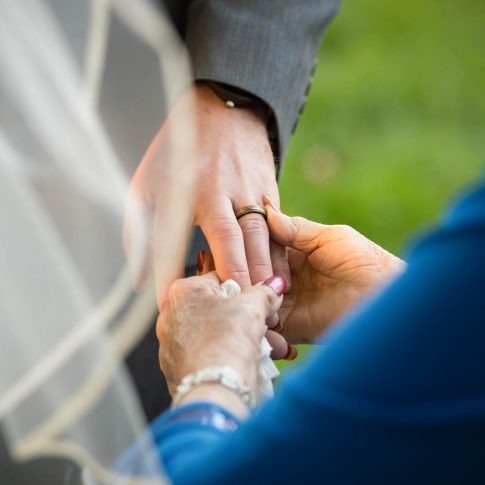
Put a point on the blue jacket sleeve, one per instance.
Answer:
(395, 395)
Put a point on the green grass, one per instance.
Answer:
(395, 120)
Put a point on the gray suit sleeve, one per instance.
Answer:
(265, 47)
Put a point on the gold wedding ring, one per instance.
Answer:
(250, 209)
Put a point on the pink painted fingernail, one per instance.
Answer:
(268, 201)
(277, 284)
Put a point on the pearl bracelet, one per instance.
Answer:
(225, 376)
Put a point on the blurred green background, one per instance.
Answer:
(395, 120)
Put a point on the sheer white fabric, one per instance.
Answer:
(67, 313)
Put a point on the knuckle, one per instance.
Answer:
(299, 221)
(262, 264)
(305, 231)
(179, 292)
(184, 292)
(254, 225)
(224, 228)
(254, 312)
(257, 303)
(298, 224)
(270, 297)
(345, 229)
(197, 292)
(177, 288)
(258, 315)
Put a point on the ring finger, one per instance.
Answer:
(256, 245)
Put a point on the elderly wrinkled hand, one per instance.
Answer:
(332, 267)
(199, 327)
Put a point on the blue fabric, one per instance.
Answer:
(396, 395)
(210, 420)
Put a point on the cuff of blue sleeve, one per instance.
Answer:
(201, 413)
(161, 436)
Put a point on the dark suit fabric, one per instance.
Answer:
(267, 48)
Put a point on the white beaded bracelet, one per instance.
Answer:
(225, 376)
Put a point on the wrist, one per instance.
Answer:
(217, 394)
(245, 367)
(222, 385)
(234, 97)
(254, 114)
(243, 100)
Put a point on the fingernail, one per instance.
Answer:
(292, 352)
(278, 328)
(277, 284)
(200, 261)
(268, 201)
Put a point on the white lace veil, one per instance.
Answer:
(83, 89)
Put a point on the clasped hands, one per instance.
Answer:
(235, 167)
(326, 268)
(332, 268)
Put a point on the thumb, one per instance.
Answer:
(294, 232)
(267, 295)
